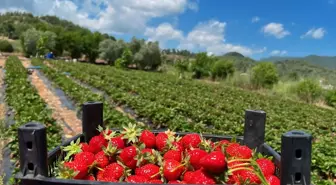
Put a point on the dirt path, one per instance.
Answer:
(67, 118)
(2, 117)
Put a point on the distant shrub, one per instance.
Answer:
(201, 65)
(6, 46)
(125, 60)
(308, 90)
(222, 69)
(265, 75)
(331, 98)
(181, 66)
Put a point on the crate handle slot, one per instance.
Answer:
(92, 117)
(254, 129)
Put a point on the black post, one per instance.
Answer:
(92, 117)
(254, 129)
(296, 148)
(33, 149)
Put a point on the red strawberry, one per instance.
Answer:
(96, 143)
(176, 182)
(148, 138)
(202, 177)
(231, 150)
(245, 175)
(214, 162)
(187, 177)
(136, 179)
(178, 146)
(195, 156)
(80, 169)
(155, 181)
(127, 157)
(172, 169)
(173, 154)
(161, 140)
(86, 158)
(243, 152)
(233, 178)
(114, 170)
(148, 150)
(101, 159)
(118, 142)
(107, 179)
(90, 178)
(100, 175)
(191, 140)
(266, 166)
(220, 144)
(273, 180)
(150, 171)
(85, 147)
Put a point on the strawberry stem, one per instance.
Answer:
(239, 165)
(239, 160)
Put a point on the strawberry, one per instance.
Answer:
(178, 146)
(155, 181)
(187, 177)
(172, 169)
(214, 162)
(195, 156)
(173, 154)
(245, 175)
(86, 158)
(231, 150)
(101, 159)
(107, 179)
(243, 152)
(100, 175)
(148, 138)
(202, 177)
(266, 166)
(85, 147)
(150, 171)
(90, 178)
(75, 170)
(233, 177)
(176, 182)
(127, 156)
(96, 143)
(114, 170)
(220, 144)
(273, 180)
(118, 142)
(191, 141)
(136, 179)
(161, 140)
(131, 133)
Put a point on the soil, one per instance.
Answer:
(2, 124)
(67, 118)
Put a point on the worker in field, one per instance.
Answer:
(50, 55)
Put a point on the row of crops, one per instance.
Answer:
(186, 105)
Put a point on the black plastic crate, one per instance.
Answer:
(37, 164)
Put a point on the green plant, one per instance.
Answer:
(331, 98)
(264, 74)
(222, 69)
(308, 90)
(6, 46)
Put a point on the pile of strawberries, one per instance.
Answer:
(137, 156)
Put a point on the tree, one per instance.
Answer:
(201, 66)
(222, 69)
(182, 67)
(6, 46)
(111, 50)
(74, 44)
(148, 57)
(125, 60)
(264, 74)
(91, 46)
(308, 90)
(46, 42)
(29, 41)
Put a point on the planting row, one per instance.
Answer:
(28, 106)
(207, 106)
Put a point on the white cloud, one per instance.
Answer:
(275, 29)
(278, 52)
(255, 19)
(126, 16)
(315, 33)
(164, 32)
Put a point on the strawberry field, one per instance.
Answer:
(162, 101)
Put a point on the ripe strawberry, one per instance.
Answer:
(233, 178)
(173, 154)
(100, 175)
(114, 170)
(191, 141)
(187, 177)
(243, 152)
(176, 182)
(148, 138)
(273, 180)
(178, 146)
(155, 181)
(86, 158)
(231, 150)
(107, 179)
(118, 142)
(131, 133)
(90, 178)
(150, 171)
(161, 140)
(136, 179)
(172, 169)
(245, 175)
(266, 166)
(75, 170)
(96, 143)
(101, 159)
(127, 157)
(85, 147)
(214, 162)
(202, 177)
(147, 150)
(220, 144)
(195, 156)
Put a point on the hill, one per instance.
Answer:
(324, 61)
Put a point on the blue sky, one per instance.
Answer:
(259, 28)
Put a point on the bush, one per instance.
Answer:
(265, 75)
(6, 46)
(331, 98)
(125, 60)
(201, 66)
(308, 90)
(222, 69)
